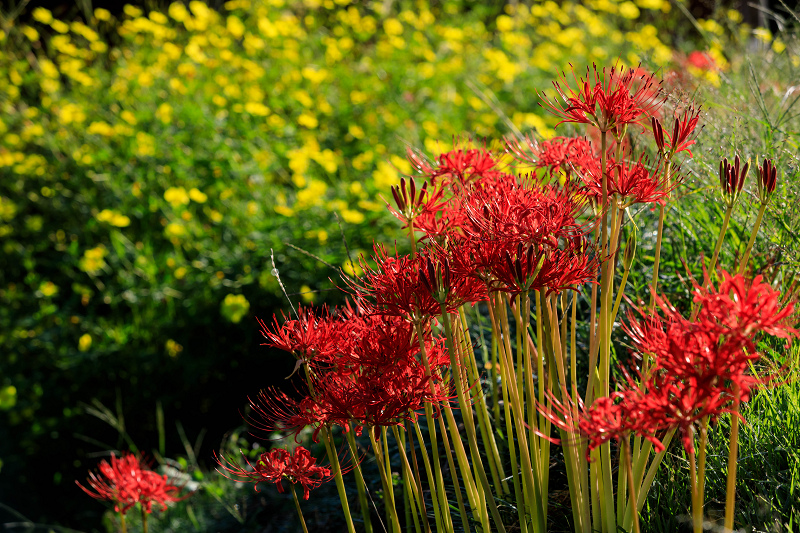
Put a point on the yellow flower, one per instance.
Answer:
(93, 260)
(30, 33)
(164, 113)
(385, 176)
(234, 307)
(629, 10)
(180, 272)
(102, 14)
(308, 120)
(128, 117)
(257, 109)
(176, 196)
(393, 26)
(59, 26)
(85, 342)
(48, 289)
(173, 348)
(307, 294)
(197, 196)
(352, 217)
(235, 26)
(356, 131)
(175, 230)
(42, 15)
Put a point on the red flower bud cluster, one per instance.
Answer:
(126, 481)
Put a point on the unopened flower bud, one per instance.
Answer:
(731, 179)
(630, 251)
(767, 180)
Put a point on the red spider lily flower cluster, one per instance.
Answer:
(126, 481)
(700, 366)
(614, 417)
(560, 154)
(631, 181)
(458, 166)
(277, 465)
(608, 100)
(376, 377)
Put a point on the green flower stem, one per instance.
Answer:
(756, 227)
(643, 486)
(436, 481)
(519, 491)
(428, 471)
(529, 488)
(123, 526)
(418, 478)
(360, 483)
(661, 216)
(388, 490)
(333, 457)
(697, 511)
(412, 238)
(456, 484)
(391, 514)
(410, 487)
(720, 238)
(469, 423)
(487, 434)
(299, 511)
(539, 373)
(144, 519)
(626, 457)
(733, 455)
(701, 461)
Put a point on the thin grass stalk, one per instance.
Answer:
(469, 424)
(733, 453)
(333, 457)
(413, 497)
(751, 242)
(360, 483)
(388, 490)
(297, 506)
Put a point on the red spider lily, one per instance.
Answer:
(543, 269)
(608, 418)
(697, 363)
(298, 467)
(679, 141)
(312, 335)
(273, 410)
(458, 166)
(731, 179)
(509, 212)
(609, 99)
(396, 287)
(742, 308)
(633, 182)
(555, 155)
(412, 202)
(767, 180)
(702, 60)
(126, 481)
